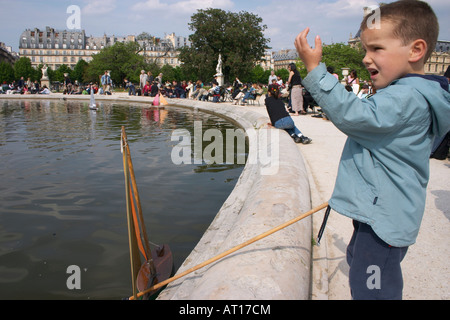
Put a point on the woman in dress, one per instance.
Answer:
(295, 85)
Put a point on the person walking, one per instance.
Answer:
(106, 82)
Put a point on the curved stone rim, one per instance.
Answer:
(275, 268)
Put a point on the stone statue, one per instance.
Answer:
(44, 72)
(219, 66)
(219, 74)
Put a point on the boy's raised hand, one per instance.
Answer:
(310, 57)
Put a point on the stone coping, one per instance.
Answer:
(272, 189)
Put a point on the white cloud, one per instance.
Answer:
(185, 7)
(149, 5)
(332, 20)
(99, 7)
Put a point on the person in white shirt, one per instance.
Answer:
(45, 91)
(272, 77)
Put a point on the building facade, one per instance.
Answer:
(439, 60)
(163, 51)
(267, 62)
(283, 58)
(58, 47)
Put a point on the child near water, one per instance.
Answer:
(384, 169)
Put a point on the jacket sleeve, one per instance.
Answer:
(363, 120)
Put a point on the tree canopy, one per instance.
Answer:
(340, 55)
(6, 72)
(121, 58)
(23, 68)
(238, 37)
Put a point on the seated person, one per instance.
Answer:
(5, 87)
(169, 92)
(241, 94)
(280, 118)
(189, 90)
(250, 94)
(215, 91)
(178, 90)
(131, 88)
(154, 90)
(35, 87)
(364, 91)
(25, 90)
(203, 94)
(45, 90)
(146, 89)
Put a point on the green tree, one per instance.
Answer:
(122, 59)
(6, 72)
(257, 75)
(145, 36)
(169, 73)
(340, 56)
(23, 68)
(238, 37)
(79, 70)
(59, 73)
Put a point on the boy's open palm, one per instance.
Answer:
(310, 57)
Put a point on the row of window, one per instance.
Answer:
(56, 52)
(49, 40)
(440, 58)
(46, 59)
(436, 67)
(65, 59)
(49, 46)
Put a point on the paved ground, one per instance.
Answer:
(426, 268)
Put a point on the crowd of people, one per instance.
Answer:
(23, 87)
(198, 90)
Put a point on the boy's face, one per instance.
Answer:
(386, 56)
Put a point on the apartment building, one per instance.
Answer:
(57, 47)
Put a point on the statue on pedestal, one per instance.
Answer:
(219, 74)
(45, 81)
(44, 72)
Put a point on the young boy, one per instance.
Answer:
(384, 169)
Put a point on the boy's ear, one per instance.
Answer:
(418, 50)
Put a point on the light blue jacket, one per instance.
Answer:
(384, 169)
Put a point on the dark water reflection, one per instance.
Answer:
(62, 198)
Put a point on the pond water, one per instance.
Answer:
(62, 193)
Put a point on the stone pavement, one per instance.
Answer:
(426, 268)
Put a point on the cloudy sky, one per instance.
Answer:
(333, 20)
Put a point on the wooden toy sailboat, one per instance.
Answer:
(92, 104)
(158, 265)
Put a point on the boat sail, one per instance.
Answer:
(92, 104)
(158, 264)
